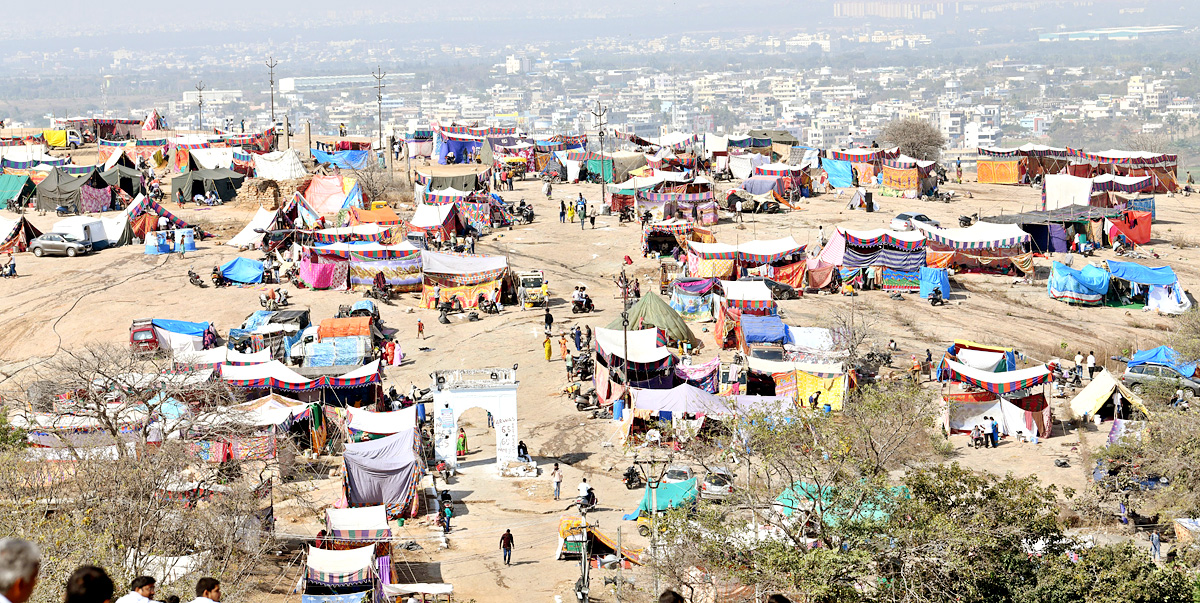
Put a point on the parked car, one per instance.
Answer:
(908, 221)
(767, 351)
(676, 474)
(1138, 377)
(54, 243)
(717, 484)
(778, 290)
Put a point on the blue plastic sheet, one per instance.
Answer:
(841, 173)
(765, 329)
(195, 329)
(934, 277)
(347, 160)
(243, 270)
(1137, 273)
(1164, 356)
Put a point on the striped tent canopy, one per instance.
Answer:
(340, 568)
(980, 235)
(686, 197)
(356, 527)
(904, 241)
(998, 383)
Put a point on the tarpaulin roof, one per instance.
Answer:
(383, 471)
(179, 326)
(746, 290)
(980, 235)
(643, 344)
(651, 310)
(771, 367)
(679, 399)
(1061, 190)
(243, 270)
(1070, 213)
(347, 160)
(14, 186)
(325, 194)
(997, 383)
(451, 263)
(669, 495)
(387, 423)
(1087, 285)
(383, 215)
(1144, 275)
(429, 215)
(1091, 399)
(1164, 356)
(765, 329)
(352, 326)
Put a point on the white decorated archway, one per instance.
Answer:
(455, 392)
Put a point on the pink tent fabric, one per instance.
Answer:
(325, 194)
(324, 276)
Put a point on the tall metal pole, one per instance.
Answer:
(200, 105)
(620, 562)
(271, 63)
(599, 114)
(625, 330)
(379, 75)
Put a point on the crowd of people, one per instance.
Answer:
(21, 564)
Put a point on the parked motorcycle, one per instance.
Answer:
(195, 279)
(587, 400)
(218, 279)
(633, 478)
(935, 297)
(280, 300)
(627, 215)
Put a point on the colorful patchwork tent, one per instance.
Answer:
(799, 382)
(326, 568)
(998, 383)
(356, 527)
(982, 245)
(692, 298)
(750, 297)
(901, 251)
(437, 220)
(17, 234)
(1084, 287)
(461, 276)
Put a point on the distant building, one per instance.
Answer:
(213, 97)
(977, 135)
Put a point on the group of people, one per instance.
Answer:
(568, 211)
(1090, 364)
(21, 562)
(987, 435)
(209, 198)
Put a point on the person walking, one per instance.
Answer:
(587, 336)
(592, 217)
(571, 213)
(546, 189)
(141, 590)
(577, 335)
(89, 584)
(447, 513)
(995, 433)
(549, 320)
(208, 590)
(1155, 547)
(1079, 363)
(556, 476)
(1091, 364)
(546, 344)
(420, 329)
(506, 545)
(20, 561)
(562, 347)
(738, 208)
(562, 211)
(582, 213)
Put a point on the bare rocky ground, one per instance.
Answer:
(65, 303)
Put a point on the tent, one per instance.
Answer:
(16, 234)
(719, 260)
(1061, 190)
(383, 215)
(243, 270)
(750, 297)
(1165, 356)
(381, 423)
(346, 160)
(692, 298)
(386, 472)
(1014, 416)
(1133, 225)
(652, 311)
(681, 399)
(461, 276)
(1158, 286)
(225, 182)
(669, 496)
(355, 527)
(326, 194)
(15, 189)
(934, 277)
(999, 170)
(252, 235)
(982, 246)
(832, 508)
(1086, 286)
(279, 165)
(840, 173)
(60, 188)
(1101, 394)
(434, 219)
(766, 329)
(900, 251)
(124, 177)
(340, 568)
(998, 383)
(211, 158)
(182, 336)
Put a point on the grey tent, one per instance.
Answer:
(222, 180)
(61, 189)
(126, 178)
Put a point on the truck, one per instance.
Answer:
(530, 287)
(62, 139)
(141, 336)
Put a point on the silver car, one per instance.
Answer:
(54, 243)
(1136, 378)
(717, 484)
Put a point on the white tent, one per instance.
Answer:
(279, 165)
(357, 519)
(1064, 189)
(84, 229)
(262, 220)
(643, 344)
(431, 216)
(382, 423)
(214, 158)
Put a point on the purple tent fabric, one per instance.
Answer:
(383, 471)
(1060, 242)
(702, 376)
(92, 200)
(680, 399)
(757, 185)
(697, 286)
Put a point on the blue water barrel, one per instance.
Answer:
(185, 239)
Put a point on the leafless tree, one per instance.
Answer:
(1152, 142)
(916, 138)
(851, 328)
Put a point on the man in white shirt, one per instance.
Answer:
(1091, 364)
(208, 590)
(583, 488)
(20, 561)
(1079, 363)
(738, 208)
(163, 223)
(141, 590)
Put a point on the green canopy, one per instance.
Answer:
(802, 495)
(652, 311)
(669, 495)
(14, 188)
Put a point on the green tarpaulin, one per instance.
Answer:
(670, 495)
(803, 496)
(13, 187)
(652, 311)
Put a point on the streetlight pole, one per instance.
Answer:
(271, 63)
(379, 75)
(200, 105)
(599, 113)
(653, 477)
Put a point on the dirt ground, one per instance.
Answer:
(58, 303)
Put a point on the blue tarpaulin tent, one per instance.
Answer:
(841, 173)
(347, 160)
(765, 329)
(934, 277)
(196, 329)
(1086, 286)
(243, 270)
(1143, 275)
(1165, 356)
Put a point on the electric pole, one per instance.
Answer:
(271, 63)
(599, 114)
(200, 105)
(379, 75)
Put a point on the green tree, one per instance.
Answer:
(1107, 574)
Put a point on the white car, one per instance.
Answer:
(717, 484)
(909, 220)
(676, 474)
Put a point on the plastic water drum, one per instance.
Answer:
(158, 243)
(618, 409)
(185, 240)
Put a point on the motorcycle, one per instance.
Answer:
(582, 367)
(63, 210)
(935, 297)
(451, 305)
(280, 300)
(633, 478)
(195, 279)
(587, 503)
(288, 275)
(218, 279)
(382, 294)
(723, 176)
(627, 215)
(582, 306)
(486, 305)
(587, 400)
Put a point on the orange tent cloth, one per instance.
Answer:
(355, 326)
